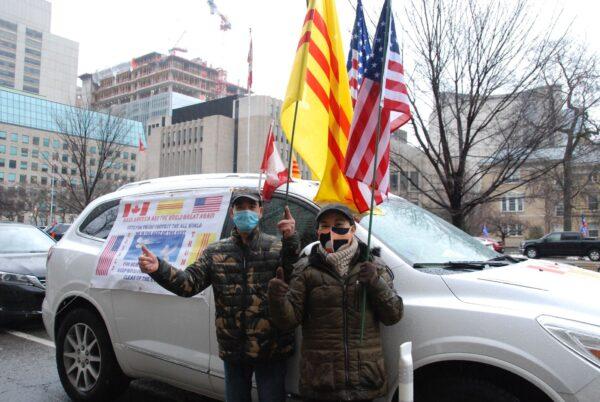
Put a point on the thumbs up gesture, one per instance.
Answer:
(287, 226)
(147, 261)
(277, 286)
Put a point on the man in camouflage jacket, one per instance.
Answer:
(239, 269)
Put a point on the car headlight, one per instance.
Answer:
(8, 277)
(582, 338)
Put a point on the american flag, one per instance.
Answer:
(207, 204)
(395, 110)
(108, 254)
(360, 49)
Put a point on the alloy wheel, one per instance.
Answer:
(81, 357)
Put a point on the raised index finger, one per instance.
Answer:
(287, 213)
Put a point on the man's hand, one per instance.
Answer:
(277, 286)
(287, 226)
(147, 261)
(368, 273)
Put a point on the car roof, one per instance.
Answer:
(304, 188)
(17, 224)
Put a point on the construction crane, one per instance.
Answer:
(173, 51)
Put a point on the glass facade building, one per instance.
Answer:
(25, 110)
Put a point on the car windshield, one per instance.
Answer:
(23, 239)
(421, 237)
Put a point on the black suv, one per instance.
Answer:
(565, 244)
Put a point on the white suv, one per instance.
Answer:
(484, 327)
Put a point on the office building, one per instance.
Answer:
(33, 150)
(211, 137)
(32, 59)
(153, 85)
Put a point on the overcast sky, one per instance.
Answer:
(114, 31)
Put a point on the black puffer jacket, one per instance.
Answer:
(239, 275)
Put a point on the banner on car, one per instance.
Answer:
(175, 227)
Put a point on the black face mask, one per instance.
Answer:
(328, 244)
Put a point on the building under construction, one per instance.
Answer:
(154, 84)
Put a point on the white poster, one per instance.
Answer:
(176, 228)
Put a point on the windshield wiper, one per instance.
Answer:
(507, 258)
(459, 264)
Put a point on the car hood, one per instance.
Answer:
(537, 286)
(26, 264)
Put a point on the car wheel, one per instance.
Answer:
(464, 389)
(86, 362)
(594, 255)
(531, 252)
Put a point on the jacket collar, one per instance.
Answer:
(317, 260)
(253, 238)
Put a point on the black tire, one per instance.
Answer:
(533, 251)
(110, 381)
(594, 254)
(463, 389)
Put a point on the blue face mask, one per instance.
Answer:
(245, 221)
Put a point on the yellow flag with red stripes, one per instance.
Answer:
(318, 99)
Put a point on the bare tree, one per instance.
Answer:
(92, 166)
(575, 73)
(480, 63)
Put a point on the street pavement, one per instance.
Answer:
(28, 371)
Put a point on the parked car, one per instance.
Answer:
(571, 244)
(491, 243)
(57, 230)
(483, 326)
(23, 251)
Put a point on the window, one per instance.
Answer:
(65, 157)
(12, 177)
(25, 139)
(54, 156)
(133, 156)
(560, 209)
(92, 162)
(125, 167)
(55, 144)
(23, 165)
(125, 155)
(73, 171)
(394, 181)
(65, 146)
(2, 149)
(593, 202)
(513, 203)
(93, 150)
(2, 162)
(54, 169)
(33, 179)
(44, 167)
(100, 221)
(46, 142)
(305, 219)
(1, 177)
(514, 229)
(553, 237)
(35, 153)
(34, 166)
(36, 140)
(13, 150)
(63, 170)
(24, 152)
(45, 155)
(133, 168)
(23, 178)
(2, 135)
(14, 137)
(12, 164)
(44, 180)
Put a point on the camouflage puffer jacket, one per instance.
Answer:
(239, 275)
(335, 365)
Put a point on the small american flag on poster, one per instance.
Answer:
(207, 204)
(108, 255)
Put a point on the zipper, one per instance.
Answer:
(345, 319)
(245, 298)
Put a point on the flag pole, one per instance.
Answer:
(249, 94)
(289, 169)
(363, 305)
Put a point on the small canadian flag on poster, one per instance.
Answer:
(135, 209)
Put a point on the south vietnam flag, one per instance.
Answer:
(318, 94)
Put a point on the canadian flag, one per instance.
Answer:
(135, 209)
(272, 166)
